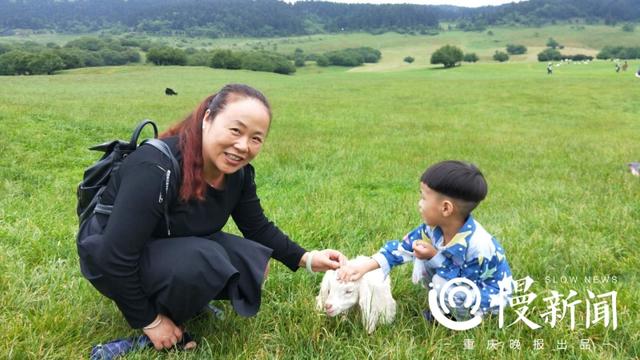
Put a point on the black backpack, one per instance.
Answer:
(96, 177)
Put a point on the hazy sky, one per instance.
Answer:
(466, 3)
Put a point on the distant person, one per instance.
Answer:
(162, 273)
(617, 67)
(549, 68)
(624, 66)
(638, 73)
(449, 244)
(170, 92)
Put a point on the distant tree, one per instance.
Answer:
(322, 60)
(87, 43)
(447, 55)
(409, 59)
(132, 55)
(311, 57)
(15, 62)
(198, 58)
(298, 57)
(369, 54)
(628, 27)
(45, 62)
(4, 48)
(267, 61)
(167, 56)
(344, 58)
(91, 58)
(552, 43)
(490, 33)
(353, 56)
(111, 57)
(500, 56)
(71, 58)
(515, 49)
(578, 57)
(226, 59)
(549, 55)
(470, 57)
(619, 52)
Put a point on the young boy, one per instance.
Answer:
(450, 243)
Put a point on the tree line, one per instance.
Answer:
(270, 18)
(31, 58)
(211, 18)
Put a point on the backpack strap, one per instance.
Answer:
(164, 148)
(133, 143)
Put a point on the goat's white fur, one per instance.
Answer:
(372, 293)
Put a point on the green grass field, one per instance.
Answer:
(340, 169)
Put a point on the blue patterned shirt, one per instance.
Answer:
(472, 253)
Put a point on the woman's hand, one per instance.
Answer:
(323, 260)
(165, 334)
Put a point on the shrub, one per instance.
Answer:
(225, 59)
(447, 55)
(409, 59)
(515, 49)
(71, 58)
(87, 43)
(44, 62)
(266, 61)
(15, 62)
(5, 48)
(552, 43)
(578, 57)
(199, 58)
(619, 52)
(111, 57)
(549, 55)
(166, 56)
(322, 60)
(470, 57)
(353, 56)
(500, 56)
(344, 58)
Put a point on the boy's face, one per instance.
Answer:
(431, 205)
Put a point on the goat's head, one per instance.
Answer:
(372, 293)
(337, 297)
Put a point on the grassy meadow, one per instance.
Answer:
(340, 169)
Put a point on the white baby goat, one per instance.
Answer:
(372, 293)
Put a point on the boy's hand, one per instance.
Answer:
(353, 272)
(424, 250)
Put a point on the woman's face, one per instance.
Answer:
(234, 137)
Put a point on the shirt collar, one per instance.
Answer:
(463, 235)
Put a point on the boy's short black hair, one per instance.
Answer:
(459, 180)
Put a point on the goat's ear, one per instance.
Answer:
(376, 303)
(324, 290)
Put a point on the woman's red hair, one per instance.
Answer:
(189, 132)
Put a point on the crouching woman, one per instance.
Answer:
(161, 267)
